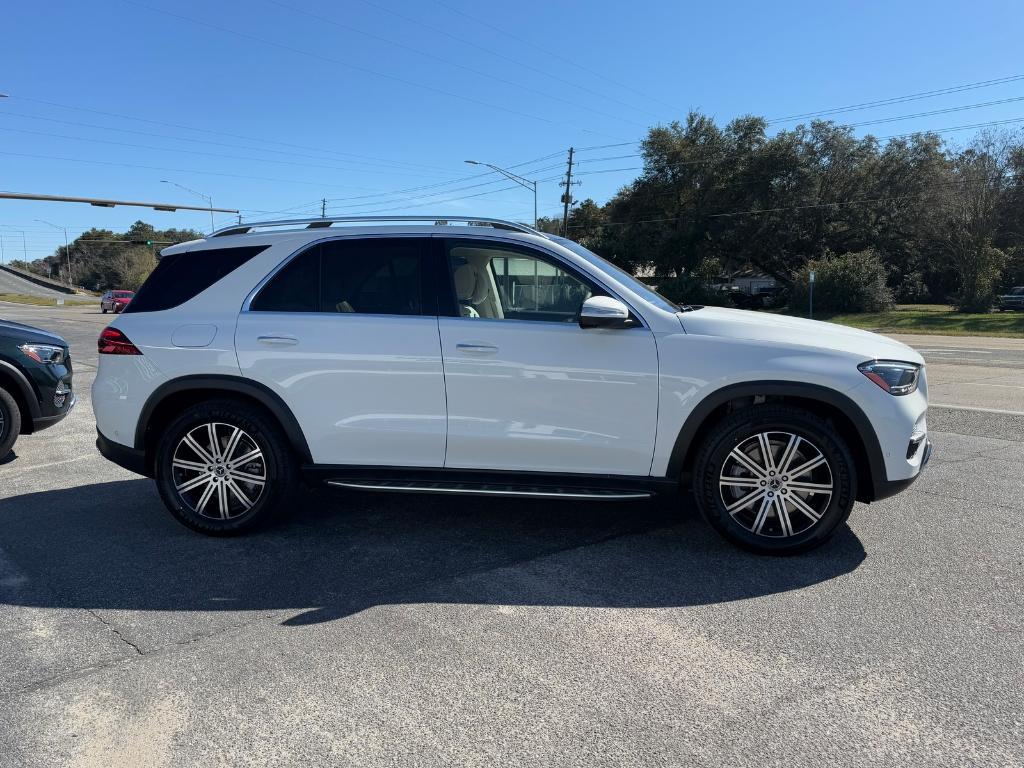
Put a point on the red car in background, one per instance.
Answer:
(115, 301)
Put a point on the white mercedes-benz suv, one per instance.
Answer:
(477, 356)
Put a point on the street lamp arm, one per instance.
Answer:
(524, 182)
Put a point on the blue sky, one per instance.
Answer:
(273, 104)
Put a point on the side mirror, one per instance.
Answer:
(604, 312)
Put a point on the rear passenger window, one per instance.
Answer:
(378, 276)
(296, 288)
(183, 276)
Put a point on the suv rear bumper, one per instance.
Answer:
(132, 459)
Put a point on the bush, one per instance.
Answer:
(849, 282)
(980, 272)
(912, 289)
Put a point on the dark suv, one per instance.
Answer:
(1014, 300)
(35, 381)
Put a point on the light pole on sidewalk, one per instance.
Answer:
(67, 249)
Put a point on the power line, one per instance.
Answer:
(778, 209)
(449, 62)
(900, 99)
(357, 67)
(935, 112)
(545, 72)
(391, 164)
(453, 181)
(193, 128)
(175, 170)
(392, 171)
(553, 54)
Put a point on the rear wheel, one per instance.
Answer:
(775, 479)
(224, 467)
(10, 422)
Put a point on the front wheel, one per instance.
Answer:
(775, 479)
(10, 422)
(224, 467)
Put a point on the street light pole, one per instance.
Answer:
(207, 198)
(523, 182)
(67, 249)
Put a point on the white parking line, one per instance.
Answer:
(54, 463)
(973, 408)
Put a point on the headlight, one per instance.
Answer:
(894, 377)
(43, 353)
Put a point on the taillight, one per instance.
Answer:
(113, 342)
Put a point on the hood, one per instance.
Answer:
(22, 333)
(795, 331)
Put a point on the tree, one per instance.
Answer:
(971, 211)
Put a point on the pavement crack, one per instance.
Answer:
(116, 632)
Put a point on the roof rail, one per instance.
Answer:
(325, 222)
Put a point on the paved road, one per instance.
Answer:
(10, 283)
(379, 630)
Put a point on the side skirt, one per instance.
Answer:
(538, 485)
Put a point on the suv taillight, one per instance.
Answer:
(113, 342)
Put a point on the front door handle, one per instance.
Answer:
(476, 348)
(277, 340)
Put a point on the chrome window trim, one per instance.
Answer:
(495, 237)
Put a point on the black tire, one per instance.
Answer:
(277, 465)
(10, 422)
(103, 309)
(790, 531)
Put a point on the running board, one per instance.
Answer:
(491, 489)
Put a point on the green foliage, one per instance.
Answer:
(123, 263)
(774, 203)
(849, 282)
(980, 271)
(691, 289)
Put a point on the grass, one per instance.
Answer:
(933, 319)
(21, 298)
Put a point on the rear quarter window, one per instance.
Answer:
(183, 276)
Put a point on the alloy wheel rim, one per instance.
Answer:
(776, 484)
(219, 471)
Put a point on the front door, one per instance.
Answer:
(527, 388)
(346, 334)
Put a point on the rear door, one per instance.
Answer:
(528, 388)
(346, 333)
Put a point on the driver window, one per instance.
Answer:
(501, 283)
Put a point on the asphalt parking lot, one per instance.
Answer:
(385, 630)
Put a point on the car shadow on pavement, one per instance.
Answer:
(113, 546)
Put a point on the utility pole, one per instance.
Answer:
(567, 196)
(323, 208)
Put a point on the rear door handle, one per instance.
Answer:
(476, 348)
(277, 340)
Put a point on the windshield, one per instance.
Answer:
(1018, 291)
(123, 294)
(639, 288)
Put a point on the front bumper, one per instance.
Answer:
(132, 459)
(886, 488)
(44, 422)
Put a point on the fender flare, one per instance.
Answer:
(25, 389)
(861, 423)
(230, 385)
